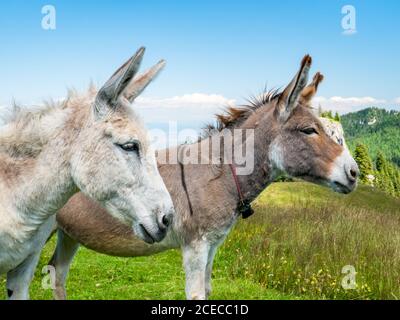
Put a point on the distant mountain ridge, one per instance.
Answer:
(378, 129)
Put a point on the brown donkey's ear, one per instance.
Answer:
(290, 96)
(110, 92)
(139, 83)
(309, 92)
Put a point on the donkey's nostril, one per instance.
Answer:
(353, 173)
(165, 221)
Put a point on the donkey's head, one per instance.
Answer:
(301, 146)
(113, 161)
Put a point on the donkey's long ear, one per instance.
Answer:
(309, 92)
(114, 87)
(290, 96)
(139, 83)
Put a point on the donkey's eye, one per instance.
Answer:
(309, 131)
(130, 147)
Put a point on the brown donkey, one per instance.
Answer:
(287, 137)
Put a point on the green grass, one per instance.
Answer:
(294, 247)
(97, 276)
(303, 235)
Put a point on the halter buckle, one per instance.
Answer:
(245, 209)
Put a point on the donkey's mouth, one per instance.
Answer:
(146, 236)
(339, 187)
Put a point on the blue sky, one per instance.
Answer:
(221, 50)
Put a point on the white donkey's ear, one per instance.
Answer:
(289, 98)
(139, 83)
(114, 88)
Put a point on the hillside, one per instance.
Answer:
(302, 236)
(378, 129)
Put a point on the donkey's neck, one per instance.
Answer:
(258, 147)
(253, 176)
(44, 188)
(252, 183)
(41, 184)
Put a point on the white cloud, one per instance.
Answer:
(210, 103)
(194, 108)
(348, 104)
(201, 107)
(199, 100)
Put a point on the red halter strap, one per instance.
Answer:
(244, 205)
(233, 169)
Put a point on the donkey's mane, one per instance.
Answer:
(233, 116)
(25, 130)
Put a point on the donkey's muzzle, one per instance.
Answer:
(151, 236)
(157, 232)
(350, 182)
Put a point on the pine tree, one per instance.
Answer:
(392, 174)
(397, 183)
(328, 114)
(337, 117)
(364, 163)
(380, 162)
(387, 176)
(390, 188)
(380, 173)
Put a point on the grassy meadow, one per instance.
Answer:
(294, 247)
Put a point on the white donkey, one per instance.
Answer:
(93, 143)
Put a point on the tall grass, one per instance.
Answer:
(294, 247)
(299, 245)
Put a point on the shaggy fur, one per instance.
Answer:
(233, 117)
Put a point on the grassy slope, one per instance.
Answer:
(252, 253)
(289, 194)
(303, 236)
